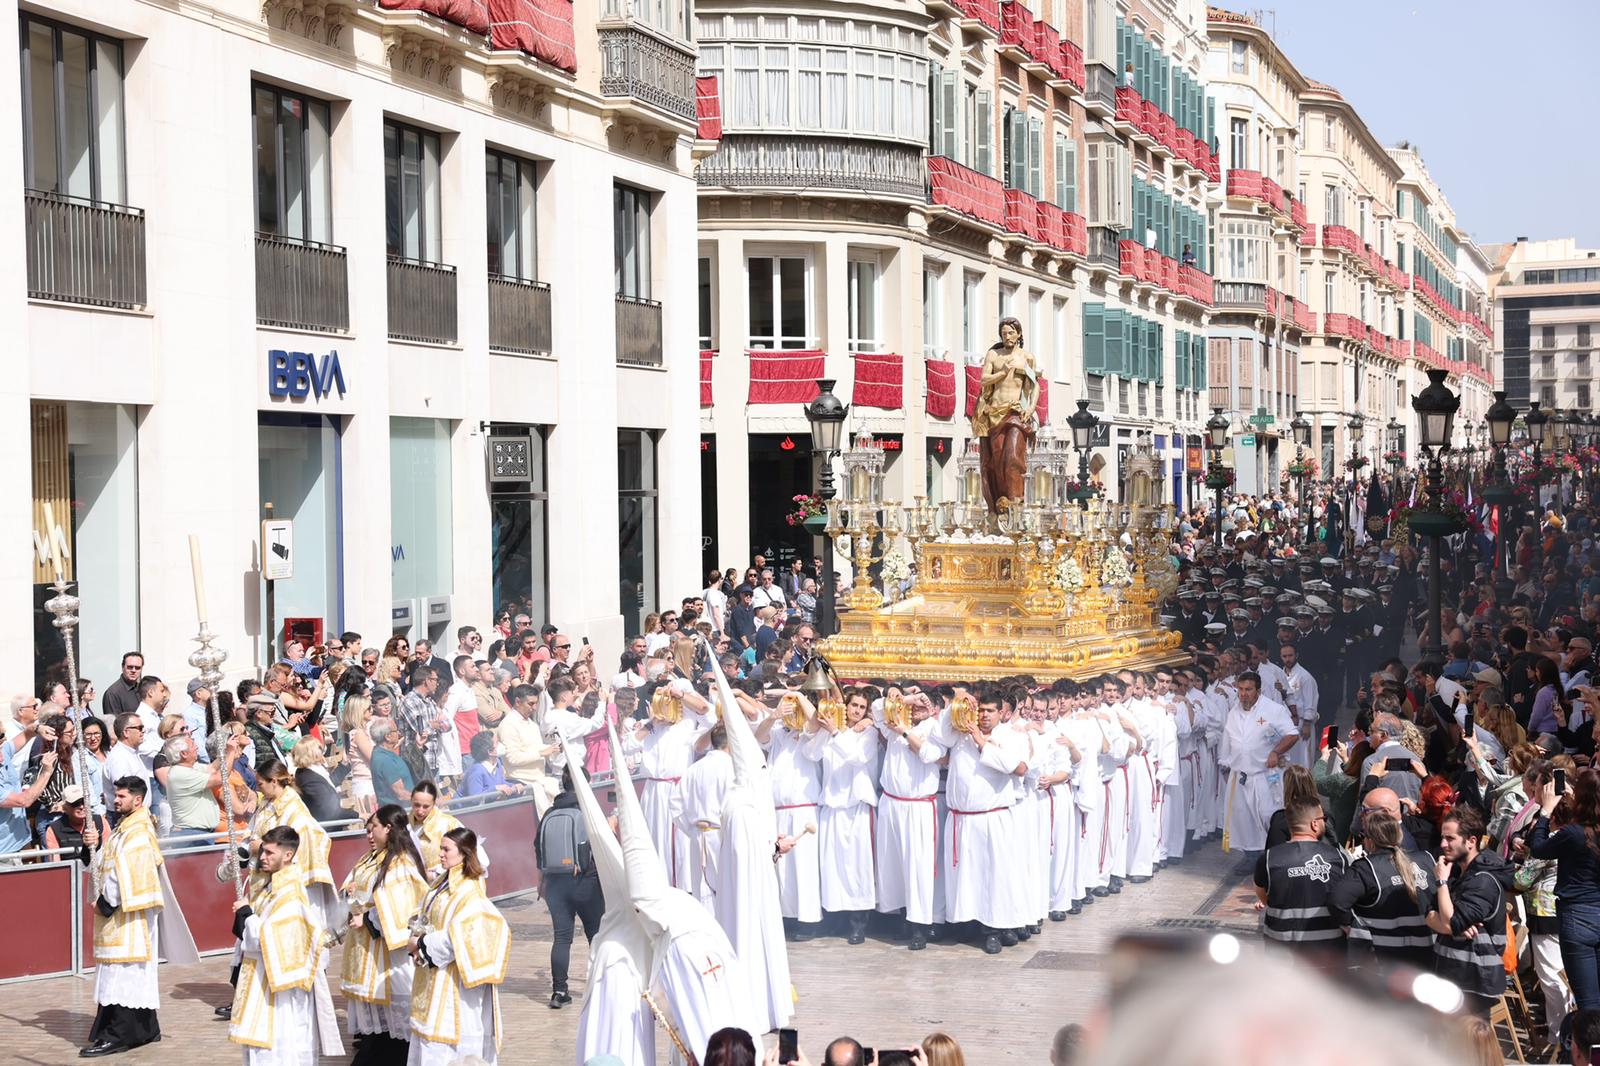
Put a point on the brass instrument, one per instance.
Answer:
(832, 711)
(896, 714)
(793, 712)
(964, 713)
(666, 706)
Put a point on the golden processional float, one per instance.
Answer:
(1044, 588)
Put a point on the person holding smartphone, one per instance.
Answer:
(1394, 765)
(1567, 829)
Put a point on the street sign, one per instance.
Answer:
(1248, 441)
(277, 549)
(1262, 420)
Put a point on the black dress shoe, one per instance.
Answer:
(559, 1000)
(104, 1047)
(1036, 927)
(1058, 916)
(1099, 892)
(1022, 932)
(225, 1011)
(919, 938)
(858, 930)
(1077, 905)
(1008, 937)
(1138, 880)
(991, 945)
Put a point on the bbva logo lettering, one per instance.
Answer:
(301, 374)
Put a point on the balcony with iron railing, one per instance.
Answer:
(646, 73)
(638, 331)
(519, 315)
(1100, 90)
(1251, 295)
(422, 301)
(84, 251)
(805, 162)
(1105, 247)
(301, 284)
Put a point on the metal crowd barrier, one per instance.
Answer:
(52, 932)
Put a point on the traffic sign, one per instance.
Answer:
(1262, 420)
(1247, 441)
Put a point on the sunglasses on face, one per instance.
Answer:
(563, 647)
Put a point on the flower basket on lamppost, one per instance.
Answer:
(1219, 477)
(1395, 459)
(1356, 463)
(811, 512)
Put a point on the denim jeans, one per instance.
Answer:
(1580, 951)
(569, 898)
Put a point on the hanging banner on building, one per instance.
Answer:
(1195, 459)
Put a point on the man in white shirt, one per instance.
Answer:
(1255, 738)
(662, 636)
(716, 601)
(563, 725)
(124, 759)
(459, 698)
(194, 715)
(1302, 704)
(769, 594)
(153, 699)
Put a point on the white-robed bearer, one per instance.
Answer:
(982, 861)
(849, 799)
(461, 946)
(794, 743)
(1030, 809)
(664, 746)
(382, 893)
(275, 1016)
(696, 806)
(1121, 746)
(1081, 728)
(1060, 765)
(907, 837)
(1189, 720)
(747, 897)
(614, 1020)
(1255, 738)
(696, 984)
(1176, 728)
(136, 922)
(1138, 717)
(1302, 704)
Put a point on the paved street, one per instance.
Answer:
(1002, 1009)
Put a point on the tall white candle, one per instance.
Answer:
(199, 579)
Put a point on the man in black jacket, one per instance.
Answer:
(1468, 912)
(569, 882)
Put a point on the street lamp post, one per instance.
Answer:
(1301, 428)
(826, 413)
(1082, 422)
(1499, 492)
(1392, 434)
(1217, 428)
(1436, 408)
(1356, 425)
(1537, 422)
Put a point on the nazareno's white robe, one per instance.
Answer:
(665, 755)
(697, 804)
(792, 769)
(981, 839)
(702, 986)
(614, 1019)
(907, 841)
(849, 768)
(748, 911)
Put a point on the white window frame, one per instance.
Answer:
(779, 340)
(971, 316)
(932, 311)
(1061, 323)
(864, 270)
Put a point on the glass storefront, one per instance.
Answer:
(299, 468)
(419, 505)
(86, 468)
(636, 526)
(519, 508)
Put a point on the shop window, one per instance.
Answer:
(636, 525)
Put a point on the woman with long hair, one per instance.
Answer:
(1437, 799)
(461, 951)
(314, 783)
(388, 679)
(1535, 881)
(397, 647)
(382, 893)
(1549, 704)
(941, 1049)
(283, 806)
(1567, 829)
(1299, 786)
(1376, 900)
(94, 737)
(353, 721)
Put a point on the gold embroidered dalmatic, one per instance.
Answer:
(132, 852)
(480, 943)
(290, 956)
(311, 859)
(367, 958)
(430, 834)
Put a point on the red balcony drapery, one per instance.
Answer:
(878, 380)
(963, 189)
(707, 108)
(1022, 214)
(1016, 26)
(986, 12)
(706, 355)
(541, 28)
(783, 376)
(470, 15)
(941, 388)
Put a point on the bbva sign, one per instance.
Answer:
(297, 375)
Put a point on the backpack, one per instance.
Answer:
(563, 843)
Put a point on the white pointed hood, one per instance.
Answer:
(620, 930)
(665, 911)
(750, 781)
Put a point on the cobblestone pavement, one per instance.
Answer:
(1002, 1009)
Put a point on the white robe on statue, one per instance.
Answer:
(697, 812)
(1252, 792)
(793, 770)
(849, 767)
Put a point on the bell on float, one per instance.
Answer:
(817, 685)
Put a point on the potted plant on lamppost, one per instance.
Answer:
(1219, 477)
(811, 511)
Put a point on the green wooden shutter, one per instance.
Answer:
(1180, 357)
(1161, 354)
(1035, 156)
(949, 121)
(983, 161)
(1116, 340)
(1094, 338)
(1198, 368)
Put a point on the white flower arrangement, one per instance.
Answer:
(1069, 575)
(1114, 572)
(896, 567)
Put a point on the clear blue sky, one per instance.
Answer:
(1501, 99)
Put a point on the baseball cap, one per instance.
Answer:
(195, 685)
(1489, 676)
(261, 699)
(72, 794)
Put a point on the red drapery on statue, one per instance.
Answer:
(878, 380)
(941, 388)
(975, 374)
(784, 377)
(1042, 409)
